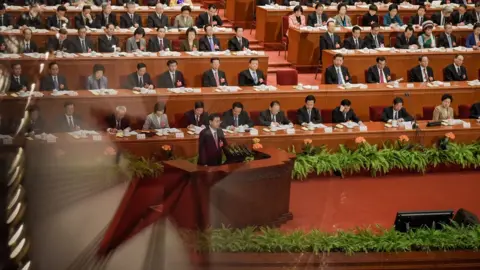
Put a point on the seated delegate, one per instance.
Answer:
(444, 111)
(97, 80)
(158, 118)
(118, 120)
(344, 113)
(273, 116)
(396, 112)
(337, 73)
(236, 117)
(308, 113)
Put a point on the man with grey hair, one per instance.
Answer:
(118, 121)
(441, 18)
(106, 17)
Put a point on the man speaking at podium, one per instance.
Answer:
(211, 142)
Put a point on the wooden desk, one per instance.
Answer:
(77, 69)
(143, 11)
(303, 40)
(240, 12)
(401, 63)
(269, 22)
(42, 38)
(187, 146)
(93, 109)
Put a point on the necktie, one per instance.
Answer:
(460, 19)
(209, 19)
(356, 43)
(140, 81)
(240, 42)
(60, 42)
(274, 118)
(236, 121)
(59, 23)
(215, 138)
(27, 47)
(70, 122)
(197, 119)
(106, 20)
(449, 41)
(339, 76)
(345, 117)
(84, 48)
(161, 44)
(420, 19)
(333, 39)
(425, 74)
(376, 41)
(215, 74)
(17, 79)
(1, 20)
(442, 21)
(254, 75)
(118, 124)
(458, 71)
(406, 40)
(131, 17)
(98, 84)
(395, 115)
(173, 78)
(309, 115)
(319, 19)
(381, 76)
(55, 82)
(212, 46)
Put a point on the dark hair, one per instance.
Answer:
(421, 57)
(67, 103)
(338, 55)
(318, 5)
(447, 96)
(477, 4)
(129, 3)
(237, 27)
(80, 28)
(33, 108)
(375, 25)
(139, 31)
(2, 6)
(252, 59)
(190, 29)
(86, 7)
(171, 61)
(457, 55)
(355, 28)
(328, 22)
(212, 116)
(186, 8)
(345, 102)
(15, 64)
(141, 65)
(409, 28)
(63, 31)
(27, 29)
(275, 102)
(381, 59)
(61, 8)
(108, 25)
(477, 25)
(98, 67)
(160, 106)
(205, 27)
(421, 7)
(463, 5)
(237, 104)
(213, 59)
(52, 64)
(392, 7)
(297, 8)
(158, 28)
(340, 6)
(373, 7)
(212, 6)
(310, 97)
(397, 100)
(198, 104)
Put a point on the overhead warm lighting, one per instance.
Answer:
(15, 213)
(15, 198)
(17, 159)
(14, 176)
(18, 249)
(15, 236)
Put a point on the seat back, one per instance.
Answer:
(292, 116)
(393, 41)
(287, 77)
(326, 115)
(176, 45)
(464, 111)
(375, 113)
(255, 116)
(284, 26)
(428, 112)
(405, 19)
(180, 120)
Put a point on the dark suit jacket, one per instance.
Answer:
(350, 44)
(154, 2)
(243, 119)
(388, 114)
(123, 2)
(33, 47)
(416, 74)
(79, 22)
(450, 73)
(234, 45)
(46, 84)
(437, 18)
(165, 81)
(36, 127)
(100, 20)
(53, 22)
(6, 20)
(473, 15)
(312, 18)
(339, 117)
(373, 76)
(370, 42)
(154, 22)
(416, 19)
(205, 45)
(265, 2)
(62, 124)
(331, 75)
(202, 20)
(111, 121)
(76, 47)
(25, 19)
(302, 116)
(15, 86)
(190, 117)
(154, 45)
(54, 45)
(367, 19)
(126, 21)
(266, 118)
(208, 153)
(106, 46)
(185, 47)
(326, 42)
(208, 80)
(402, 43)
(466, 18)
(443, 41)
(475, 110)
(132, 80)
(57, 2)
(246, 79)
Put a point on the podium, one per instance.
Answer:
(236, 195)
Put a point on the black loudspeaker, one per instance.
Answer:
(466, 217)
(406, 221)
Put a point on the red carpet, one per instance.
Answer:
(333, 203)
